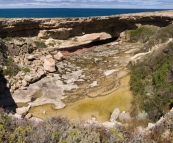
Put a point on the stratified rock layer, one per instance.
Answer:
(64, 28)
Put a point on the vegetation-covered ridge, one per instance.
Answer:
(151, 80)
(62, 130)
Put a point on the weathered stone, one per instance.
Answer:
(49, 64)
(28, 116)
(58, 56)
(124, 117)
(35, 119)
(93, 84)
(61, 33)
(112, 124)
(22, 110)
(115, 114)
(30, 57)
(24, 83)
(108, 72)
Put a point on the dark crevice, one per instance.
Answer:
(95, 43)
(6, 100)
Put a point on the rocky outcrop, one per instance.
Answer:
(64, 28)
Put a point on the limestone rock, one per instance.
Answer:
(93, 84)
(61, 33)
(24, 83)
(109, 72)
(49, 64)
(28, 116)
(115, 114)
(88, 38)
(35, 119)
(124, 117)
(58, 56)
(22, 110)
(18, 116)
(112, 124)
(30, 57)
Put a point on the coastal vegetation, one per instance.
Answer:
(40, 44)
(11, 68)
(151, 80)
(61, 130)
(141, 34)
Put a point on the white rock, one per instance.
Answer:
(58, 56)
(23, 88)
(115, 114)
(150, 125)
(18, 116)
(108, 72)
(24, 83)
(93, 84)
(22, 110)
(30, 57)
(49, 64)
(124, 117)
(112, 124)
(35, 119)
(28, 116)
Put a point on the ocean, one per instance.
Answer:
(66, 12)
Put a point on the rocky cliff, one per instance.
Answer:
(94, 28)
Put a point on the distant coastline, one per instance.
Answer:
(66, 12)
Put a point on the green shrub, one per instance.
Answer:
(40, 44)
(11, 68)
(7, 39)
(142, 33)
(152, 83)
(26, 70)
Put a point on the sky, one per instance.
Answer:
(156, 4)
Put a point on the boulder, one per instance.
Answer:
(24, 83)
(35, 119)
(28, 116)
(22, 110)
(30, 57)
(112, 124)
(49, 64)
(124, 117)
(115, 114)
(58, 56)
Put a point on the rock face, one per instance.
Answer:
(61, 28)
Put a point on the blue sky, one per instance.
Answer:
(158, 4)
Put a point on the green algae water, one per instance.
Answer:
(87, 108)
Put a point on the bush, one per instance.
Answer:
(26, 70)
(142, 33)
(152, 83)
(11, 68)
(40, 44)
(7, 39)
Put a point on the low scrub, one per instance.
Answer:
(141, 34)
(152, 83)
(11, 68)
(40, 44)
(62, 130)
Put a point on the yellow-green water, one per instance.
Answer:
(99, 107)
